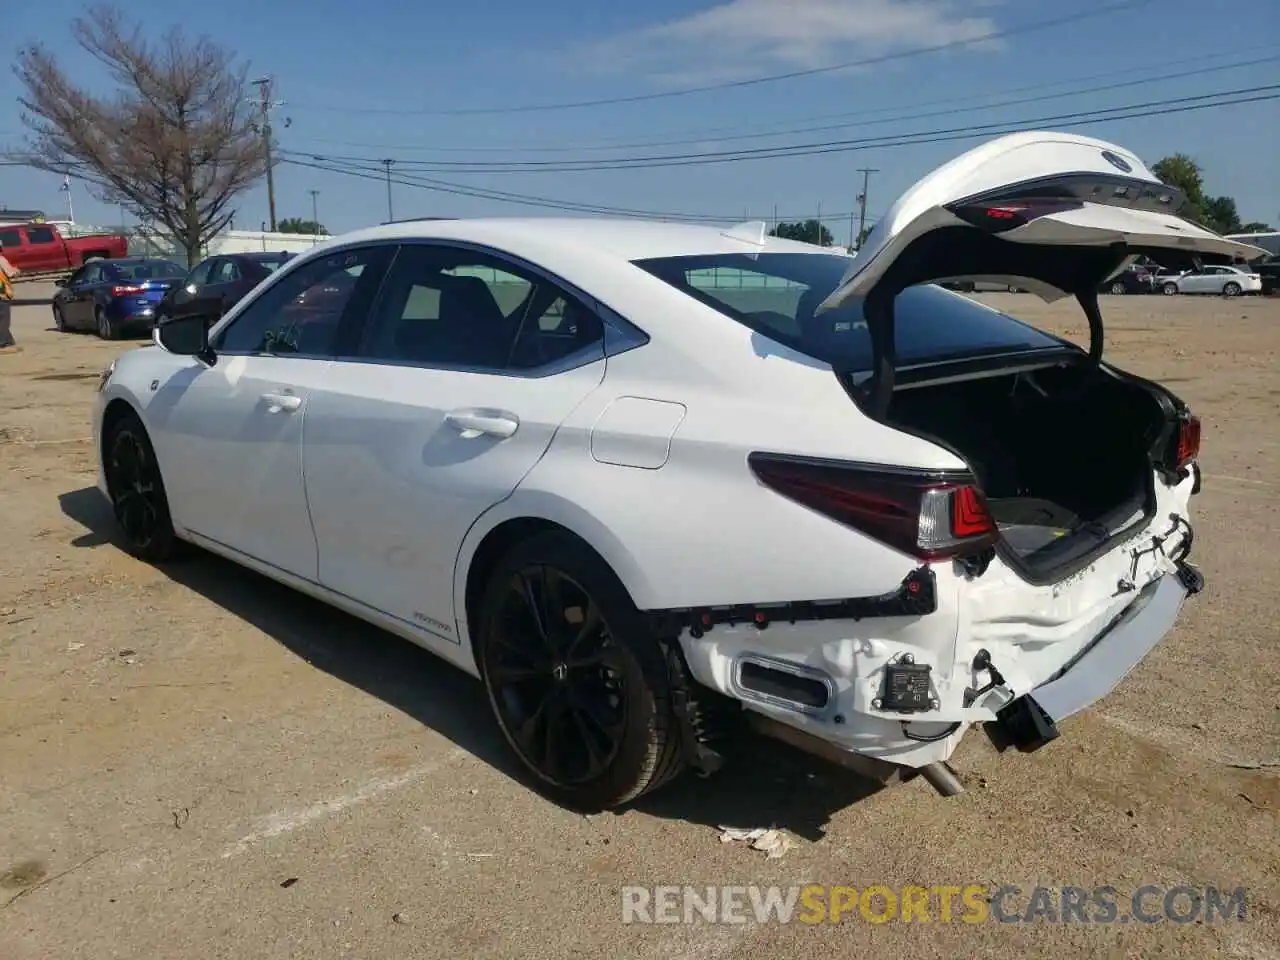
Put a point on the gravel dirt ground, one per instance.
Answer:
(196, 762)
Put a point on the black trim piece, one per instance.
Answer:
(916, 596)
(1022, 723)
(1075, 188)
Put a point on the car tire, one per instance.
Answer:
(136, 488)
(558, 629)
(103, 324)
(59, 321)
(1169, 289)
(1231, 289)
(1118, 288)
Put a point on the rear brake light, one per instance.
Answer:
(999, 217)
(125, 291)
(932, 516)
(1188, 442)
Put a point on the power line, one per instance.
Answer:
(948, 106)
(503, 196)
(1077, 118)
(755, 81)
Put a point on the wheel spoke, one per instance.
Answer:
(527, 733)
(505, 674)
(606, 656)
(609, 727)
(589, 628)
(553, 746)
(535, 604)
(595, 758)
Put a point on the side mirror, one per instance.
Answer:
(60, 282)
(186, 337)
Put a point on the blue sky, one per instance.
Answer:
(361, 80)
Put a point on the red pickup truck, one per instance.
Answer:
(40, 247)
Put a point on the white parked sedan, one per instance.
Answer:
(1220, 279)
(651, 481)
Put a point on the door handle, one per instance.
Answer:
(472, 424)
(277, 402)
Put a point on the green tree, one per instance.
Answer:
(1184, 173)
(298, 225)
(1256, 226)
(810, 231)
(1217, 213)
(1222, 214)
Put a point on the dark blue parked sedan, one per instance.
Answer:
(114, 297)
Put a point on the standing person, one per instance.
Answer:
(7, 272)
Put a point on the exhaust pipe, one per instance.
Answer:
(942, 778)
(939, 775)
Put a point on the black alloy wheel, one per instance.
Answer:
(136, 488)
(575, 679)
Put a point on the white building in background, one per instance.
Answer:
(149, 243)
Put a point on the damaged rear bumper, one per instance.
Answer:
(832, 684)
(1031, 720)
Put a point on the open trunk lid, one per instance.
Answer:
(1054, 213)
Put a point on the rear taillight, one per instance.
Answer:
(932, 516)
(1188, 448)
(999, 217)
(125, 291)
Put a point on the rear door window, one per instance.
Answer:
(776, 294)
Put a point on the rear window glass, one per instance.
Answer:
(775, 294)
(149, 270)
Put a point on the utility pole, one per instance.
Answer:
(862, 201)
(315, 215)
(387, 166)
(266, 104)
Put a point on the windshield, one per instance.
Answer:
(775, 294)
(149, 270)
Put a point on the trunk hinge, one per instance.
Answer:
(878, 311)
(1088, 300)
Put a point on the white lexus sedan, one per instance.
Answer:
(651, 482)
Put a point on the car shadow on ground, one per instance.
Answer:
(764, 783)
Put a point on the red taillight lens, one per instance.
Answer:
(1188, 441)
(998, 217)
(932, 516)
(125, 291)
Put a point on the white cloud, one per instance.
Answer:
(744, 38)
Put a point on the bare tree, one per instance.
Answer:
(176, 143)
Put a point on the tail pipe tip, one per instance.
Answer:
(942, 778)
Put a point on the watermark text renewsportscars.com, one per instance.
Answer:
(960, 903)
